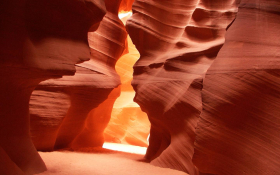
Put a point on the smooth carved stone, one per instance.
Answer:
(107, 45)
(178, 41)
(34, 38)
(80, 124)
(96, 122)
(47, 110)
(126, 5)
(128, 124)
(36, 44)
(238, 130)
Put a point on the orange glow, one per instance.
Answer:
(128, 124)
(126, 5)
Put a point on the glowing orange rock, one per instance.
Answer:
(91, 85)
(128, 124)
(126, 5)
(107, 45)
(96, 122)
(86, 95)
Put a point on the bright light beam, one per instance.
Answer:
(122, 15)
(125, 148)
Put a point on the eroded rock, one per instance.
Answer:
(35, 46)
(238, 130)
(81, 125)
(178, 41)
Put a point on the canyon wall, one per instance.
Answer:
(128, 124)
(238, 130)
(178, 41)
(70, 112)
(208, 82)
(35, 47)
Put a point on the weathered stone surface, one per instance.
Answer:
(81, 125)
(96, 122)
(178, 41)
(238, 130)
(35, 46)
(47, 110)
(128, 124)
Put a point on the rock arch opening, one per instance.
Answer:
(128, 124)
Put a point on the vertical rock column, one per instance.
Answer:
(178, 41)
(34, 47)
(238, 130)
(78, 119)
(16, 146)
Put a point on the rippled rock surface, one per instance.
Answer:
(177, 41)
(238, 130)
(72, 119)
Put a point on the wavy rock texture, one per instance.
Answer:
(178, 41)
(82, 124)
(35, 47)
(238, 130)
(128, 124)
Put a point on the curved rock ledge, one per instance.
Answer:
(74, 121)
(178, 41)
(36, 47)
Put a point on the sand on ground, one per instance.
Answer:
(100, 162)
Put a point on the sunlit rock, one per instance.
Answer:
(178, 41)
(128, 124)
(81, 125)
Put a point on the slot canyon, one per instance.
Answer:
(140, 87)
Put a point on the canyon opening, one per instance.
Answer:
(153, 87)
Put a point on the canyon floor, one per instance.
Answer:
(100, 161)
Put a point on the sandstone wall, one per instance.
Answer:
(74, 121)
(238, 130)
(178, 41)
(35, 47)
(128, 124)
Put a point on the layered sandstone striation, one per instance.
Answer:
(35, 47)
(178, 41)
(128, 124)
(73, 119)
(238, 130)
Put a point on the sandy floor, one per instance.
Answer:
(100, 162)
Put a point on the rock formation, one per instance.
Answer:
(73, 120)
(128, 124)
(36, 46)
(178, 41)
(126, 5)
(218, 119)
(238, 130)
